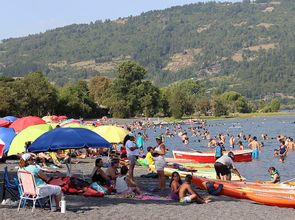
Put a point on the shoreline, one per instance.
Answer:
(232, 116)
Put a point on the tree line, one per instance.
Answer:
(129, 94)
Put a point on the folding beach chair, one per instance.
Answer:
(29, 190)
(9, 186)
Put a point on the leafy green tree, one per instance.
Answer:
(128, 89)
(235, 102)
(35, 95)
(218, 107)
(97, 86)
(183, 96)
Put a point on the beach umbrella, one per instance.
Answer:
(10, 118)
(76, 125)
(22, 123)
(29, 134)
(68, 138)
(4, 123)
(112, 134)
(7, 135)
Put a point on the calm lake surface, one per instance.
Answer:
(255, 170)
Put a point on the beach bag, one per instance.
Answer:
(98, 187)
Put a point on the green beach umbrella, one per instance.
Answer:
(29, 134)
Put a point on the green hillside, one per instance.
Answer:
(247, 47)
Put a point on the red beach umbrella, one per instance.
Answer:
(22, 123)
(4, 123)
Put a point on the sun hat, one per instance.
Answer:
(159, 137)
(26, 156)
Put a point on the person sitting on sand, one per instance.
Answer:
(26, 163)
(125, 185)
(98, 175)
(274, 175)
(224, 166)
(174, 185)
(112, 171)
(188, 195)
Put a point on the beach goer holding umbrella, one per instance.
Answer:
(159, 160)
(132, 153)
(225, 165)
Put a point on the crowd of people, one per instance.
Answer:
(119, 177)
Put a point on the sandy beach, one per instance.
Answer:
(115, 207)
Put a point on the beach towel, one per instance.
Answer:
(149, 197)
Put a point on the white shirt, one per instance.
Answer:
(227, 161)
(129, 144)
(121, 185)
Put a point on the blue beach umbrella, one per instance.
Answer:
(68, 138)
(10, 118)
(7, 135)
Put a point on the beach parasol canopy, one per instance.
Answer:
(4, 123)
(68, 138)
(112, 134)
(29, 134)
(10, 118)
(7, 135)
(22, 123)
(76, 125)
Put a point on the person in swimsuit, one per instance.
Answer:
(112, 171)
(174, 185)
(188, 195)
(283, 151)
(98, 175)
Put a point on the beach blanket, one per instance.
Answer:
(150, 197)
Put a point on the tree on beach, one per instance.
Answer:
(183, 96)
(130, 93)
(97, 86)
(35, 95)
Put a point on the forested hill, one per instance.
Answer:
(247, 47)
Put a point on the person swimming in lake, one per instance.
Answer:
(188, 195)
(175, 184)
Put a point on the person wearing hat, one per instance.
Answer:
(224, 166)
(26, 163)
(159, 161)
(132, 153)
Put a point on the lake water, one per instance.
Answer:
(255, 170)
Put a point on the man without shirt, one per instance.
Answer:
(188, 195)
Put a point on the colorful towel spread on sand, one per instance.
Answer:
(149, 197)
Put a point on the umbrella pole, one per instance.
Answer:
(69, 167)
(109, 150)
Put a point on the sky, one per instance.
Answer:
(23, 17)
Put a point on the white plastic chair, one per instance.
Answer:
(29, 190)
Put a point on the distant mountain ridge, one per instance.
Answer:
(247, 47)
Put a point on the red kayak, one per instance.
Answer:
(209, 157)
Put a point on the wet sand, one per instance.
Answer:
(115, 207)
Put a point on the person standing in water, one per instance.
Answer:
(256, 147)
(232, 142)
